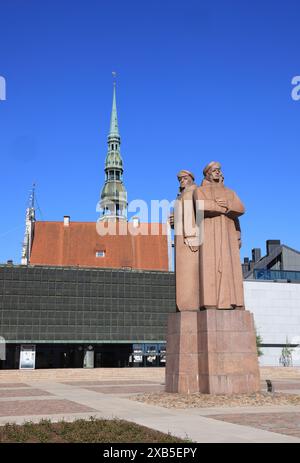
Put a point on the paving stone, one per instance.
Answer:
(4, 385)
(126, 389)
(22, 392)
(282, 423)
(38, 407)
(107, 383)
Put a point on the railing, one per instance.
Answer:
(277, 275)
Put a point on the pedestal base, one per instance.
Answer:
(212, 351)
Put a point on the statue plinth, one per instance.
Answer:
(212, 351)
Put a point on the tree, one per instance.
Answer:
(286, 359)
(258, 345)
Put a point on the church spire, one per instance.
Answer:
(29, 228)
(113, 201)
(114, 129)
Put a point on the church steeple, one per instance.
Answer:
(114, 129)
(113, 202)
(29, 229)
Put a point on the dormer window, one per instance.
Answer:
(100, 253)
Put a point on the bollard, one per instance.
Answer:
(270, 386)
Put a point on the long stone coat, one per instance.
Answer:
(186, 260)
(221, 279)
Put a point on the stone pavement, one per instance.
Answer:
(69, 395)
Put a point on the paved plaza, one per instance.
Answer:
(106, 393)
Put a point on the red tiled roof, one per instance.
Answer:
(76, 245)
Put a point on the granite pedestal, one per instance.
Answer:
(212, 351)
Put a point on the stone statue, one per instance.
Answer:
(186, 244)
(209, 350)
(221, 280)
(236, 220)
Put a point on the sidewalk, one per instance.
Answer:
(103, 398)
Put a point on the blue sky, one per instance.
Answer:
(197, 81)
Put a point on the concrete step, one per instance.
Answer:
(149, 374)
(69, 374)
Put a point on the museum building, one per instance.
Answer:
(84, 317)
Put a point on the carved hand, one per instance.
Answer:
(222, 202)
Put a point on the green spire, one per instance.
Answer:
(113, 199)
(114, 129)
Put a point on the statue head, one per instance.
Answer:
(185, 178)
(212, 172)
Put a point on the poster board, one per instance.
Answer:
(27, 357)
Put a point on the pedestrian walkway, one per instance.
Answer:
(100, 395)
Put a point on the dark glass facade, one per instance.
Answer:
(44, 304)
(275, 275)
(64, 309)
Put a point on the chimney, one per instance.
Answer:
(66, 220)
(245, 269)
(251, 265)
(271, 245)
(135, 222)
(256, 254)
